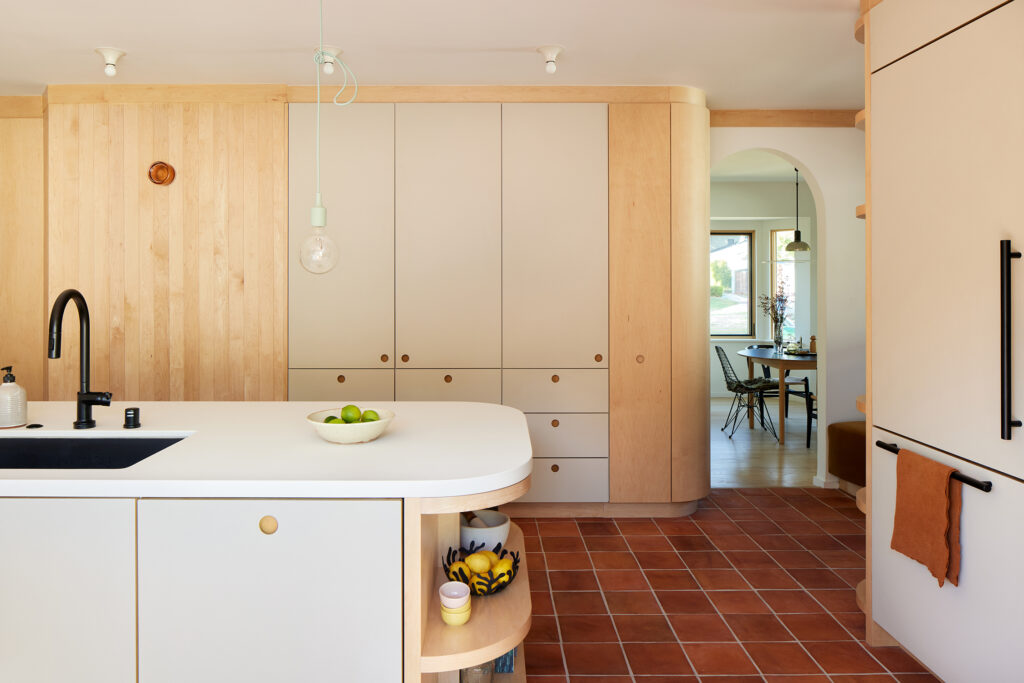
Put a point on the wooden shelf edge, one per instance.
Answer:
(862, 499)
(498, 623)
(861, 211)
(862, 404)
(860, 119)
(476, 501)
(858, 30)
(861, 592)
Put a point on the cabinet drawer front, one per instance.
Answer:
(551, 391)
(343, 385)
(569, 435)
(483, 386)
(568, 480)
(968, 632)
(262, 591)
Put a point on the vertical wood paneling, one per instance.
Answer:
(640, 300)
(22, 236)
(186, 283)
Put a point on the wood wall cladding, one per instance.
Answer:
(22, 260)
(186, 283)
(640, 302)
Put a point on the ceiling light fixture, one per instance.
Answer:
(797, 244)
(319, 253)
(551, 54)
(110, 56)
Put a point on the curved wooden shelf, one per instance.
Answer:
(498, 622)
(858, 30)
(475, 501)
(860, 119)
(862, 404)
(862, 211)
(862, 499)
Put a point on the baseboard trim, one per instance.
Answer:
(829, 482)
(571, 510)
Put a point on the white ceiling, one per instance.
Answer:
(752, 166)
(743, 53)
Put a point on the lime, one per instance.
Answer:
(331, 418)
(350, 413)
(369, 416)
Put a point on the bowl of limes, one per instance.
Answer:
(351, 424)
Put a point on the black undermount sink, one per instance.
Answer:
(77, 453)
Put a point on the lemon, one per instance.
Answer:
(369, 416)
(479, 563)
(350, 413)
(455, 568)
(481, 583)
(503, 566)
(492, 557)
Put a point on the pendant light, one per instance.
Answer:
(797, 244)
(319, 253)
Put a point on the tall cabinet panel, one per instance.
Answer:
(448, 235)
(945, 191)
(344, 318)
(555, 235)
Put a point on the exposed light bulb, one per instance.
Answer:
(329, 68)
(550, 66)
(110, 57)
(551, 53)
(318, 253)
(110, 70)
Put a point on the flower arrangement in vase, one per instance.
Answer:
(775, 308)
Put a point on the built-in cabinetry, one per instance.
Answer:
(479, 235)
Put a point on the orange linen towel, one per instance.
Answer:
(926, 524)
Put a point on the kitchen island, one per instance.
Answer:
(253, 550)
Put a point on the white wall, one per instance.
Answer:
(832, 161)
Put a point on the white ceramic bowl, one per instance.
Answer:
(494, 533)
(349, 432)
(454, 594)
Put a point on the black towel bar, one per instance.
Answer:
(985, 486)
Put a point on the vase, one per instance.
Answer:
(777, 335)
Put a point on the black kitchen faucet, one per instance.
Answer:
(86, 399)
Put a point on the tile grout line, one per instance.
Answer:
(607, 607)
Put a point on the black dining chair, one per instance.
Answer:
(746, 395)
(788, 381)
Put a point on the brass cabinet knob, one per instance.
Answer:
(640, 358)
(554, 468)
(554, 378)
(268, 525)
(554, 423)
(405, 358)
(383, 358)
(598, 357)
(341, 379)
(447, 379)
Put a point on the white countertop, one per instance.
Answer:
(268, 450)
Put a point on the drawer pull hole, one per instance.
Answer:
(640, 358)
(554, 423)
(383, 358)
(554, 468)
(341, 379)
(598, 358)
(268, 525)
(405, 358)
(554, 378)
(447, 379)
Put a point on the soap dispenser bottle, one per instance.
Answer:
(13, 402)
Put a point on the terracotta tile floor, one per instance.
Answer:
(757, 585)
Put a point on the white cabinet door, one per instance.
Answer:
(946, 185)
(969, 632)
(555, 235)
(568, 480)
(67, 590)
(555, 391)
(448, 235)
(343, 385)
(481, 386)
(344, 318)
(569, 435)
(318, 600)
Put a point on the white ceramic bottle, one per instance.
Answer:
(13, 402)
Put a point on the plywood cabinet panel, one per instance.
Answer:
(448, 235)
(569, 435)
(67, 591)
(568, 480)
(220, 600)
(344, 318)
(555, 235)
(187, 282)
(556, 391)
(345, 385)
(482, 386)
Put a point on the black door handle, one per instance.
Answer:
(1006, 256)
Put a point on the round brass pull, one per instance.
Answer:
(447, 379)
(383, 358)
(554, 423)
(341, 379)
(405, 358)
(640, 358)
(161, 173)
(598, 357)
(268, 525)
(554, 468)
(554, 378)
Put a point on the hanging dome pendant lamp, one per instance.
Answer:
(797, 244)
(319, 253)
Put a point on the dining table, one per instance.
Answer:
(781, 362)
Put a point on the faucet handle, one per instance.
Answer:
(95, 398)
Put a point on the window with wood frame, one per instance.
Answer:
(732, 283)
